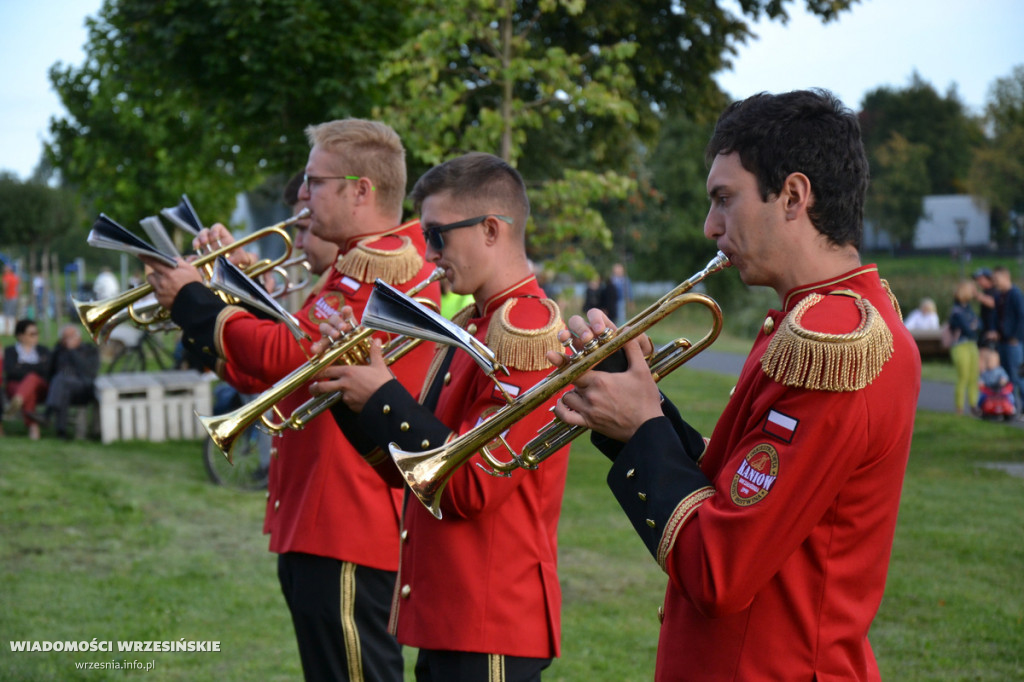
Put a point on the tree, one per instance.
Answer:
(899, 184)
(210, 98)
(997, 168)
(922, 117)
(567, 91)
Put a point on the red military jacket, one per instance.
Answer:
(484, 577)
(322, 498)
(777, 547)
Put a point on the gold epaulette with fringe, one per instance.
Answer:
(366, 263)
(820, 361)
(524, 349)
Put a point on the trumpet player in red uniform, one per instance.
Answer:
(478, 589)
(332, 522)
(775, 534)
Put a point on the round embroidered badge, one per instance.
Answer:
(330, 303)
(756, 475)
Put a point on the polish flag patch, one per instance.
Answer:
(780, 425)
(351, 284)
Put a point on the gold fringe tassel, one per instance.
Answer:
(828, 362)
(366, 263)
(524, 349)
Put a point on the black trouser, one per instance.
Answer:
(340, 613)
(464, 666)
(66, 390)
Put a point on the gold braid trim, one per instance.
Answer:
(819, 361)
(218, 327)
(892, 298)
(683, 511)
(524, 349)
(460, 318)
(366, 263)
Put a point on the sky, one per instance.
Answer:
(880, 43)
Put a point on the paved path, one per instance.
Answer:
(936, 396)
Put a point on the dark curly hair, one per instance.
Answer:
(805, 131)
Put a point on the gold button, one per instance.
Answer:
(406, 591)
(631, 473)
(731, 391)
(447, 378)
(651, 523)
(405, 535)
(425, 444)
(273, 452)
(661, 614)
(471, 329)
(769, 326)
(386, 409)
(277, 503)
(642, 496)
(404, 426)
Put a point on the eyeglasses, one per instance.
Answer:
(436, 241)
(310, 180)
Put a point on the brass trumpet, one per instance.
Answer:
(427, 472)
(353, 348)
(97, 315)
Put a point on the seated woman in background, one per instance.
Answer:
(924, 316)
(26, 365)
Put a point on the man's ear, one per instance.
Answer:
(492, 226)
(796, 194)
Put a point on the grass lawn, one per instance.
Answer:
(130, 542)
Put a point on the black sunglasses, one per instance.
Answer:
(436, 241)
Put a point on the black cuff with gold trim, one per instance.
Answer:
(392, 415)
(195, 310)
(650, 479)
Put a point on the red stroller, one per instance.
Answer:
(996, 403)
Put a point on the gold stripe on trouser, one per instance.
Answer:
(495, 668)
(353, 652)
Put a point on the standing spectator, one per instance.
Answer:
(12, 284)
(106, 284)
(73, 369)
(924, 316)
(1010, 326)
(39, 296)
(965, 327)
(26, 366)
(986, 295)
(600, 294)
(623, 293)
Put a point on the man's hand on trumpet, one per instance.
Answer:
(167, 281)
(355, 382)
(614, 404)
(215, 237)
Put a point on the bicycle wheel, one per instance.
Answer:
(250, 456)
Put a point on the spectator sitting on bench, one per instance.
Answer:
(26, 365)
(925, 316)
(73, 370)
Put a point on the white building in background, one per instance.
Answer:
(949, 220)
(952, 220)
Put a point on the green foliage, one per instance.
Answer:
(997, 169)
(210, 97)
(36, 215)
(899, 184)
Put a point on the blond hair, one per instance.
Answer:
(369, 149)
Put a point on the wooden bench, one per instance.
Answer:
(929, 343)
(154, 406)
